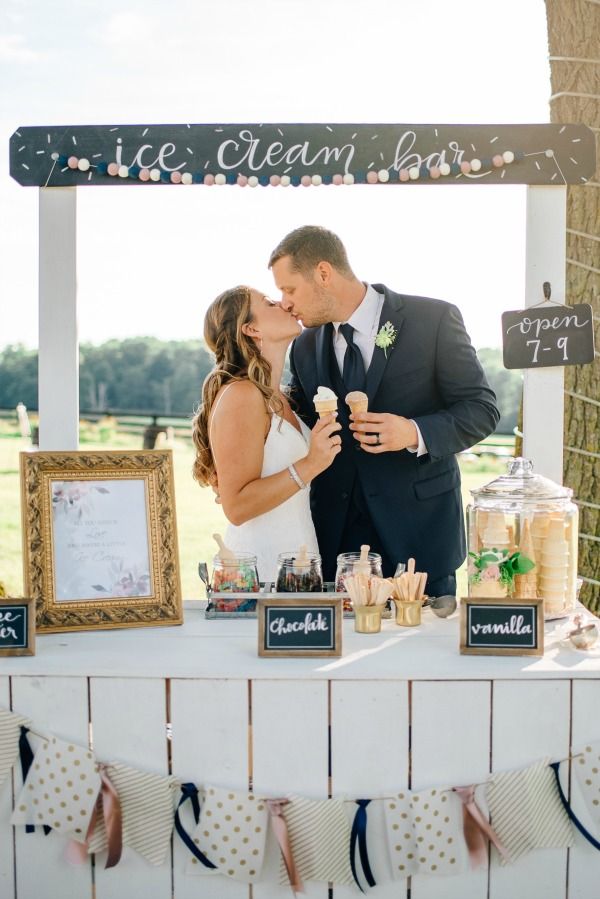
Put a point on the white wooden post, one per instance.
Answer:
(543, 397)
(58, 372)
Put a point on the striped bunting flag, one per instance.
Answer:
(320, 839)
(526, 811)
(147, 807)
(10, 725)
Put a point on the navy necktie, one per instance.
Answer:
(353, 373)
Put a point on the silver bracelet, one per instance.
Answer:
(296, 477)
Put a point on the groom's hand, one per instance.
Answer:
(382, 432)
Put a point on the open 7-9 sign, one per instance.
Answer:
(548, 335)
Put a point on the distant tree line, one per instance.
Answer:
(144, 374)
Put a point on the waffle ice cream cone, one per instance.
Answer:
(325, 401)
(358, 401)
(526, 584)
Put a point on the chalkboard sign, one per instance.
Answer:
(502, 627)
(548, 335)
(17, 627)
(300, 626)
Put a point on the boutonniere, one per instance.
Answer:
(385, 337)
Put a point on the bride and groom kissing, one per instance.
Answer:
(387, 477)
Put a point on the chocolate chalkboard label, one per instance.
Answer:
(297, 626)
(548, 335)
(502, 627)
(17, 631)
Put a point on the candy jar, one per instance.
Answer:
(522, 534)
(237, 574)
(299, 572)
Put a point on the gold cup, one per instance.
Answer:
(408, 612)
(367, 619)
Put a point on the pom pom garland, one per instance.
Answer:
(424, 170)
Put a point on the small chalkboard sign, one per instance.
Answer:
(17, 627)
(300, 625)
(548, 335)
(502, 627)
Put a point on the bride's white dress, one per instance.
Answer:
(289, 525)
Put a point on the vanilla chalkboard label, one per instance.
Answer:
(544, 336)
(17, 631)
(502, 627)
(297, 626)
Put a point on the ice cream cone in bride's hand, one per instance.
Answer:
(325, 401)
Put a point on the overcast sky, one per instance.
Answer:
(151, 259)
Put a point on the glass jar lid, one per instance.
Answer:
(521, 484)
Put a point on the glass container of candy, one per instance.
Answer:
(522, 533)
(299, 574)
(235, 575)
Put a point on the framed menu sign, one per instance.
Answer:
(17, 627)
(502, 627)
(299, 624)
(548, 335)
(100, 539)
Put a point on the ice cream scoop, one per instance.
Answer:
(358, 401)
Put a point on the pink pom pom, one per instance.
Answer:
(403, 175)
(372, 178)
(144, 175)
(72, 162)
(434, 172)
(338, 179)
(306, 181)
(498, 161)
(242, 180)
(274, 180)
(175, 177)
(113, 168)
(209, 180)
(465, 167)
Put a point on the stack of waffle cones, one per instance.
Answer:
(526, 584)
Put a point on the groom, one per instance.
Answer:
(396, 483)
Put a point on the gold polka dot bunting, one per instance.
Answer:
(587, 774)
(58, 807)
(231, 833)
(402, 846)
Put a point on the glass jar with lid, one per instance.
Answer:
(522, 534)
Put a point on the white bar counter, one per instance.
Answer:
(398, 709)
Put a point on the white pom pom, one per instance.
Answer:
(186, 178)
(413, 173)
(83, 165)
(383, 175)
(155, 174)
(123, 171)
(348, 178)
(285, 181)
(444, 169)
(475, 165)
(54, 156)
(252, 181)
(549, 153)
(316, 180)
(508, 156)
(220, 178)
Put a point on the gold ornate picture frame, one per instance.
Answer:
(100, 539)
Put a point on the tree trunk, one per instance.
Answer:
(574, 43)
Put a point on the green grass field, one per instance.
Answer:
(198, 516)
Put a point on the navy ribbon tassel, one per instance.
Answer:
(26, 758)
(359, 835)
(190, 791)
(582, 830)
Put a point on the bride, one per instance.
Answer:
(247, 437)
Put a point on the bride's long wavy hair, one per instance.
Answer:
(237, 358)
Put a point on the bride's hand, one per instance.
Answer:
(325, 444)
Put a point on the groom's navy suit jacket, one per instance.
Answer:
(430, 374)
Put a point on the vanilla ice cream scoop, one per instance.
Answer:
(325, 401)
